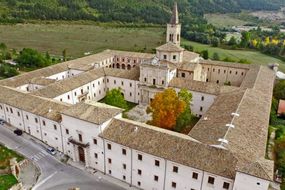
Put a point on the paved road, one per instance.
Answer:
(54, 174)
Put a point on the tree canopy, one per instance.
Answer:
(32, 59)
(115, 97)
(166, 108)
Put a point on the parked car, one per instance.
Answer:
(51, 150)
(18, 132)
(2, 122)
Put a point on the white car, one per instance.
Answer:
(51, 150)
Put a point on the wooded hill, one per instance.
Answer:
(147, 11)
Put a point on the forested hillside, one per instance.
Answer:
(147, 11)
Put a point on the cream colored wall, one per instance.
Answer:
(220, 74)
(175, 30)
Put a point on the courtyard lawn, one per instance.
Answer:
(253, 56)
(79, 38)
(5, 156)
(7, 181)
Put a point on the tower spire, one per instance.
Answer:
(174, 17)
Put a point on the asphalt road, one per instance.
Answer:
(54, 174)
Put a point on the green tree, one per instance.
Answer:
(245, 39)
(279, 90)
(3, 47)
(185, 117)
(232, 41)
(64, 53)
(205, 54)
(115, 97)
(32, 59)
(215, 42)
(216, 56)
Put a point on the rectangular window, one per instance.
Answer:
(202, 98)
(201, 108)
(139, 157)
(139, 172)
(174, 57)
(211, 180)
(19, 114)
(11, 110)
(173, 184)
(95, 141)
(195, 175)
(153, 81)
(55, 127)
(124, 177)
(122, 83)
(109, 160)
(67, 131)
(109, 146)
(44, 123)
(164, 56)
(124, 166)
(124, 151)
(139, 183)
(155, 178)
(110, 172)
(144, 79)
(183, 75)
(80, 137)
(27, 117)
(36, 120)
(226, 185)
(96, 155)
(131, 84)
(156, 162)
(175, 169)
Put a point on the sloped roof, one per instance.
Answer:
(97, 114)
(37, 105)
(172, 146)
(198, 86)
(169, 46)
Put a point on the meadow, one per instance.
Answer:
(78, 39)
(252, 56)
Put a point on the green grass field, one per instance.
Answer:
(5, 156)
(7, 181)
(252, 56)
(79, 38)
(224, 20)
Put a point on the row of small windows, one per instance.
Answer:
(122, 82)
(123, 60)
(219, 71)
(154, 81)
(123, 66)
(174, 57)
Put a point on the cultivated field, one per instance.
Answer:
(252, 56)
(224, 20)
(79, 38)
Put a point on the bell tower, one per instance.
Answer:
(174, 28)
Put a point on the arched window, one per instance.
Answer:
(129, 67)
(123, 66)
(118, 65)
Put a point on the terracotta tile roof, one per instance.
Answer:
(169, 46)
(225, 64)
(60, 87)
(94, 113)
(133, 74)
(188, 56)
(198, 86)
(172, 146)
(37, 105)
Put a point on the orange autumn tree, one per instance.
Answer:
(166, 107)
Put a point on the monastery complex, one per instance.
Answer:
(224, 151)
